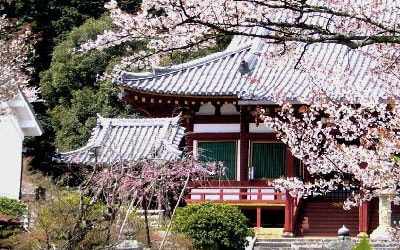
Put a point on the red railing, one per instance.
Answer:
(242, 195)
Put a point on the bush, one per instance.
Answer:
(55, 219)
(213, 226)
(363, 245)
(12, 208)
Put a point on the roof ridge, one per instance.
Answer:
(135, 121)
(164, 70)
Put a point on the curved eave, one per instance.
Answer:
(126, 90)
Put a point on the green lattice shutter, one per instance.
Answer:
(298, 167)
(220, 151)
(269, 160)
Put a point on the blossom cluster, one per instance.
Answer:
(153, 181)
(183, 25)
(344, 145)
(15, 46)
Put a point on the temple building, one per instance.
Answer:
(218, 99)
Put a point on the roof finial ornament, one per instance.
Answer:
(244, 67)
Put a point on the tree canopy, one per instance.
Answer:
(74, 89)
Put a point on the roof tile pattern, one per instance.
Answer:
(220, 74)
(213, 75)
(119, 140)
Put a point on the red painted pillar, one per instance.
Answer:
(288, 230)
(244, 143)
(258, 220)
(363, 209)
(187, 122)
(290, 170)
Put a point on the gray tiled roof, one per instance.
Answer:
(117, 140)
(213, 75)
(219, 74)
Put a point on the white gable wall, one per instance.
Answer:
(14, 126)
(11, 137)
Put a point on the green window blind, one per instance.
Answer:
(269, 160)
(220, 151)
(299, 167)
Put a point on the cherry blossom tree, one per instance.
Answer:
(15, 46)
(346, 134)
(184, 25)
(125, 187)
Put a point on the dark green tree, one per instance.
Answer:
(213, 226)
(52, 20)
(72, 90)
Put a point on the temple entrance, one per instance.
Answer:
(270, 218)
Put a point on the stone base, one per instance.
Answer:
(287, 235)
(344, 238)
(381, 233)
(362, 235)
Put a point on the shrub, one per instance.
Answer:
(363, 245)
(12, 208)
(213, 226)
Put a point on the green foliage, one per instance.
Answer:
(363, 245)
(57, 217)
(213, 226)
(11, 207)
(71, 88)
(52, 21)
(41, 149)
(57, 17)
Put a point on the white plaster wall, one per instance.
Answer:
(11, 138)
(216, 128)
(262, 128)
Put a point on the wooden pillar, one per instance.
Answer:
(258, 220)
(290, 169)
(187, 122)
(244, 143)
(288, 230)
(363, 224)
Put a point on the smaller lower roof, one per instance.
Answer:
(116, 140)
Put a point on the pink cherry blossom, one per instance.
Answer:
(14, 48)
